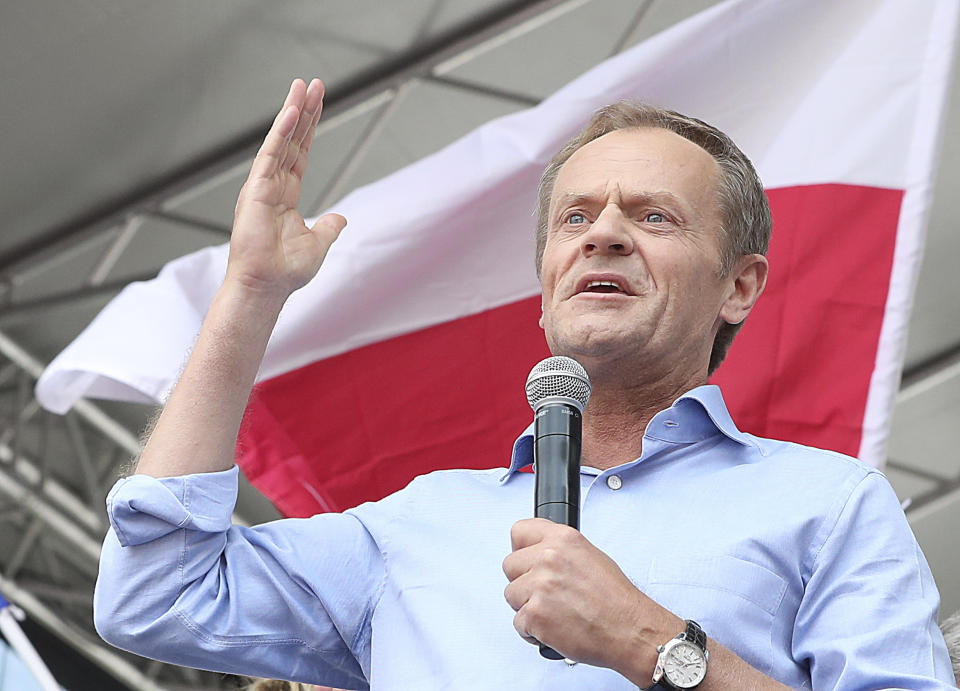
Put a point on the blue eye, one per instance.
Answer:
(576, 218)
(655, 217)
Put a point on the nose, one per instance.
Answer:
(609, 234)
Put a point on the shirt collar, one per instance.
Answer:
(695, 416)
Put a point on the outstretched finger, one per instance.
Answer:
(311, 112)
(270, 156)
(303, 99)
(316, 119)
(303, 144)
(313, 97)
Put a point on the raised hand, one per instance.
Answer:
(272, 251)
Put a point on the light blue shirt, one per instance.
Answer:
(799, 560)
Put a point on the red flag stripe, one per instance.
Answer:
(450, 396)
(800, 369)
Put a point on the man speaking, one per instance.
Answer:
(708, 558)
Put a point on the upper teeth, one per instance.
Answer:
(595, 284)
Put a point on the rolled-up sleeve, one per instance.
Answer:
(868, 619)
(292, 599)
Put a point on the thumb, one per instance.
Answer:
(328, 227)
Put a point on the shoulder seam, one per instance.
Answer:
(834, 517)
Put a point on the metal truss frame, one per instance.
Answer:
(426, 60)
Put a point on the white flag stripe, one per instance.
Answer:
(105, 361)
(923, 144)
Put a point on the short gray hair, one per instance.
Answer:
(745, 211)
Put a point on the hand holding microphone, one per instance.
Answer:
(558, 389)
(562, 587)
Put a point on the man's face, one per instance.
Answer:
(632, 258)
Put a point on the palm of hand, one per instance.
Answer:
(271, 248)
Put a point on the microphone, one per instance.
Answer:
(557, 389)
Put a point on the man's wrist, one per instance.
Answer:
(654, 626)
(250, 297)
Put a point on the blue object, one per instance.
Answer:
(799, 560)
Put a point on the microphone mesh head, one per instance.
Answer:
(558, 376)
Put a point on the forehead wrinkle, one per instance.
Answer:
(630, 198)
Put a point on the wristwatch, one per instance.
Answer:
(682, 663)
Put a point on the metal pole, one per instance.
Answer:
(21, 644)
(51, 517)
(334, 187)
(112, 429)
(20, 470)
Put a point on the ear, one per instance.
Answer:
(541, 312)
(746, 282)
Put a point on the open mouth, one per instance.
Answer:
(600, 284)
(603, 287)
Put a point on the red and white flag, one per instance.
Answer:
(409, 350)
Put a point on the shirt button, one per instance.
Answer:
(614, 482)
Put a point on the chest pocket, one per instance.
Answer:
(735, 601)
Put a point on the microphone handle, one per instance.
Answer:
(556, 453)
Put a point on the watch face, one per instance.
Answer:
(684, 665)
